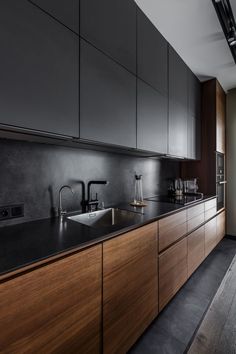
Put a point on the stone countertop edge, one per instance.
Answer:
(11, 270)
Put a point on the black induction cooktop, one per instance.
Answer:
(184, 199)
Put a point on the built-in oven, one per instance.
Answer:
(220, 180)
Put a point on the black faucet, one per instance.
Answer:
(95, 201)
(83, 201)
(88, 203)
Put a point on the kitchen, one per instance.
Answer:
(117, 176)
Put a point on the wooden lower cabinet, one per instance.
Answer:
(172, 271)
(196, 222)
(220, 222)
(55, 308)
(171, 229)
(196, 249)
(210, 236)
(210, 213)
(210, 204)
(130, 287)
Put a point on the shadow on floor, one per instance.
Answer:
(172, 331)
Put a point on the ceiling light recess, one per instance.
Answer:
(226, 18)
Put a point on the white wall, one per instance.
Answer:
(231, 162)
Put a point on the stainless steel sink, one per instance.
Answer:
(107, 217)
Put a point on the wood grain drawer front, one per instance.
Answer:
(172, 229)
(195, 211)
(210, 213)
(170, 236)
(210, 236)
(196, 249)
(195, 222)
(210, 204)
(172, 271)
(130, 287)
(220, 222)
(54, 309)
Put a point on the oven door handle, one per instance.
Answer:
(222, 182)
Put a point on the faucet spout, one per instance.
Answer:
(62, 212)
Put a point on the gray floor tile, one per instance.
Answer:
(175, 326)
(157, 341)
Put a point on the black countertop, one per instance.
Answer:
(25, 244)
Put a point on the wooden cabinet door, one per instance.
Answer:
(39, 71)
(210, 209)
(173, 271)
(220, 118)
(196, 249)
(152, 54)
(55, 308)
(171, 229)
(210, 236)
(152, 119)
(110, 25)
(65, 11)
(195, 216)
(107, 99)
(220, 224)
(130, 287)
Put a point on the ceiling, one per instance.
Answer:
(193, 29)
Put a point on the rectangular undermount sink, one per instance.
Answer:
(107, 217)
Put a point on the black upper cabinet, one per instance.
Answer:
(194, 117)
(39, 71)
(65, 11)
(107, 99)
(178, 105)
(178, 129)
(152, 54)
(194, 89)
(110, 25)
(194, 138)
(152, 119)
(178, 78)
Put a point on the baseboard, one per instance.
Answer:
(231, 237)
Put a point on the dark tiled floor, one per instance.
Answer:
(174, 328)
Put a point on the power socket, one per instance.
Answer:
(11, 211)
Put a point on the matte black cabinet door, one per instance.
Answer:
(39, 71)
(178, 78)
(110, 25)
(178, 105)
(194, 138)
(152, 119)
(194, 89)
(152, 54)
(107, 99)
(178, 129)
(66, 11)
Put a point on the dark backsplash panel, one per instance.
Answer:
(33, 173)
